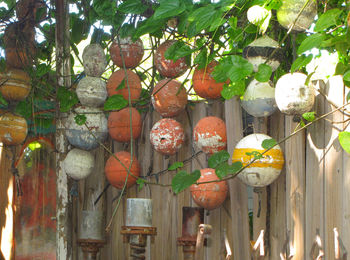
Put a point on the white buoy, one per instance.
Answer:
(91, 91)
(78, 164)
(94, 60)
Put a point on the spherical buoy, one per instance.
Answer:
(94, 60)
(292, 95)
(79, 135)
(259, 99)
(13, 128)
(204, 84)
(91, 91)
(209, 195)
(260, 50)
(169, 98)
(167, 136)
(132, 52)
(209, 134)
(289, 11)
(169, 68)
(119, 124)
(15, 84)
(78, 164)
(116, 173)
(114, 85)
(263, 171)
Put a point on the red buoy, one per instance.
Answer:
(116, 173)
(132, 52)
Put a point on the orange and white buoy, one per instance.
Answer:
(263, 171)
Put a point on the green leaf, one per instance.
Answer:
(221, 70)
(3, 100)
(80, 119)
(177, 50)
(169, 8)
(344, 140)
(300, 62)
(348, 97)
(347, 76)
(268, 143)
(234, 89)
(327, 19)
(175, 166)
(182, 180)
(240, 68)
(149, 25)
(309, 116)
(66, 98)
(218, 158)
(24, 108)
(257, 155)
(201, 59)
(121, 85)
(203, 17)
(42, 69)
(264, 73)
(115, 102)
(132, 7)
(224, 169)
(141, 183)
(312, 41)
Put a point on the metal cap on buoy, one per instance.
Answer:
(263, 171)
(79, 164)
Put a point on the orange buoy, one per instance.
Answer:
(15, 84)
(116, 173)
(114, 85)
(169, 68)
(132, 52)
(167, 136)
(204, 84)
(169, 98)
(209, 195)
(13, 128)
(210, 134)
(119, 124)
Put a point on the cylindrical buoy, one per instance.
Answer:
(293, 96)
(91, 91)
(167, 136)
(138, 212)
(169, 68)
(91, 226)
(132, 52)
(169, 98)
(209, 195)
(94, 60)
(78, 164)
(263, 171)
(209, 134)
(259, 99)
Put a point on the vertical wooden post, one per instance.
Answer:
(238, 190)
(63, 236)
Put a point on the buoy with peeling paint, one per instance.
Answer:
(209, 195)
(167, 136)
(79, 164)
(91, 91)
(261, 50)
(13, 128)
(209, 134)
(169, 97)
(259, 99)
(117, 84)
(289, 12)
(87, 137)
(132, 52)
(119, 124)
(116, 173)
(169, 68)
(263, 171)
(94, 60)
(14, 84)
(292, 96)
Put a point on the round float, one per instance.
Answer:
(13, 128)
(263, 171)
(79, 164)
(94, 60)
(91, 91)
(15, 84)
(132, 52)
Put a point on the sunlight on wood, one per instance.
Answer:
(260, 244)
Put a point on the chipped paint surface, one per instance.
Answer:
(167, 136)
(13, 129)
(119, 124)
(132, 52)
(209, 195)
(134, 84)
(116, 173)
(169, 98)
(292, 95)
(80, 136)
(91, 91)
(169, 68)
(209, 134)
(263, 171)
(94, 60)
(256, 61)
(78, 164)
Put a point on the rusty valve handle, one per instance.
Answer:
(203, 229)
